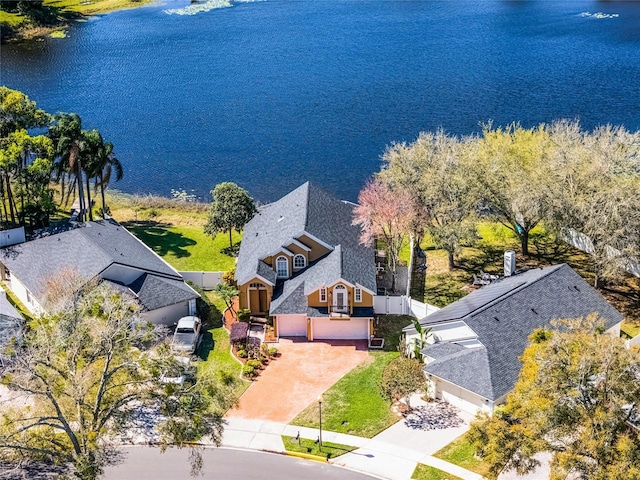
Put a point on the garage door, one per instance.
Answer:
(292, 325)
(462, 399)
(353, 329)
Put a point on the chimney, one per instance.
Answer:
(509, 263)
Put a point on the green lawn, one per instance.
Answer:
(460, 452)
(328, 449)
(390, 328)
(185, 247)
(354, 404)
(425, 472)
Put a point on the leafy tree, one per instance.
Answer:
(402, 377)
(596, 193)
(231, 209)
(17, 112)
(435, 171)
(386, 214)
(511, 177)
(87, 368)
(576, 396)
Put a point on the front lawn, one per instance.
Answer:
(460, 452)
(354, 404)
(310, 447)
(426, 472)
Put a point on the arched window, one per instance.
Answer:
(299, 261)
(282, 267)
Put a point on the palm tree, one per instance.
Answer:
(104, 166)
(69, 143)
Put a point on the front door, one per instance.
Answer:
(340, 299)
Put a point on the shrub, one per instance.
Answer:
(242, 353)
(273, 352)
(228, 277)
(263, 360)
(402, 377)
(244, 315)
(253, 347)
(239, 333)
(249, 371)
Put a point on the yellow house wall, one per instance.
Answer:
(244, 293)
(313, 299)
(317, 250)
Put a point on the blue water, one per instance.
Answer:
(271, 94)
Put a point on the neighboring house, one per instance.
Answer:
(302, 263)
(472, 360)
(11, 323)
(98, 250)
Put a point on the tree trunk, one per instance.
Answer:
(596, 281)
(89, 206)
(452, 260)
(10, 199)
(104, 205)
(524, 242)
(230, 241)
(80, 191)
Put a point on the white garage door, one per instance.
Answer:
(327, 329)
(462, 399)
(292, 325)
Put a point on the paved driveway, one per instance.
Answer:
(303, 371)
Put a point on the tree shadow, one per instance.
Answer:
(206, 345)
(159, 238)
(231, 251)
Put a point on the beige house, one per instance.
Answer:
(301, 262)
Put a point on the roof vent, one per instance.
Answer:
(280, 219)
(509, 263)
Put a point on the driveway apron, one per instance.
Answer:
(295, 379)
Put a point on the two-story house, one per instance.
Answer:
(302, 263)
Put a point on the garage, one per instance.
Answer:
(292, 325)
(459, 397)
(328, 329)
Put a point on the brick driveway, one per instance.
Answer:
(303, 371)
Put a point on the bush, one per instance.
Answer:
(239, 333)
(253, 363)
(253, 347)
(273, 352)
(249, 371)
(242, 353)
(244, 315)
(402, 377)
(228, 277)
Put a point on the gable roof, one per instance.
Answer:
(503, 315)
(305, 210)
(89, 249)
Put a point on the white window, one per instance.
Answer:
(257, 286)
(323, 294)
(299, 261)
(358, 295)
(282, 267)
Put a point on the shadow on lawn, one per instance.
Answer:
(158, 236)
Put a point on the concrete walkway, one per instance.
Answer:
(393, 454)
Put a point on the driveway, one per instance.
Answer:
(302, 372)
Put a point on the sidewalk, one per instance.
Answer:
(391, 455)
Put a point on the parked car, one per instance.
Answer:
(185, 338)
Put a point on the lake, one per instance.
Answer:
(273, 93)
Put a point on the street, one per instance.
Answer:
(147, 463)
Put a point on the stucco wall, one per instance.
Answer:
(168, 315)
(29, 301)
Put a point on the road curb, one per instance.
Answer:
(306, 456)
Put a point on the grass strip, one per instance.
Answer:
(461, 453)
(310, 447)
(427, 472)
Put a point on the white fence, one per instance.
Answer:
(584, 243)
(634, 342)
(204, 280)
(12, 237)
(401, 305)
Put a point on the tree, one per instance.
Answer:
(435, 171)
(227, 293)
(402, 377)
(88, 367)
(419, 342)
(596, 193)
(69, 142)
(386, 214)
(231, 209)
(511, 177)
(576, 396)
(17, 112)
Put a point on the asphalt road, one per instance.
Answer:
(147, 463)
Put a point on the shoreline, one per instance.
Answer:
(17, 28)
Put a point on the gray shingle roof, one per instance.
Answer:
(503, 315)
(90, 250)
(316, 212)
(157, 292)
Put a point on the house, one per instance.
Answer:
(11, 323)
(302, 263)
(472, 360)
(98, 250)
